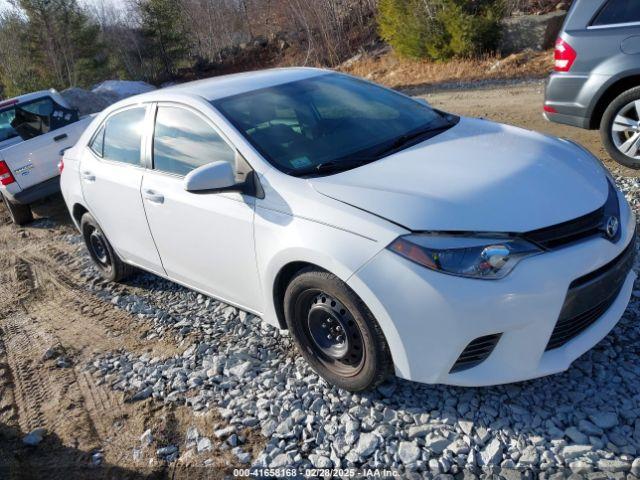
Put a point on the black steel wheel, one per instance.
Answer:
(332, 330)
(335, 331)
(109, 264)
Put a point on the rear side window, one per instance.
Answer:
(123, 136)
(183, 141)
(618, 11)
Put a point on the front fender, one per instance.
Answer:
(282, 239)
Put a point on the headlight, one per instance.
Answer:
(474, 257)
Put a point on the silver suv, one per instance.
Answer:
(596, 83)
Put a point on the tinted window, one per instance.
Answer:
(618, 11)
(182, 141)
(30, 119)
(123, 136)
(326, 119)
(98, 141)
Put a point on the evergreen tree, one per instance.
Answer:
(63, 42)
(440, 29)
(163, 27)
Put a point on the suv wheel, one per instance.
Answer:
(620, 128)
(109, 264)
(335, 332)
(20, 214)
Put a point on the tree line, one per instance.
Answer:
(63, 43)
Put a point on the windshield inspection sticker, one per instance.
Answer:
(301, 162)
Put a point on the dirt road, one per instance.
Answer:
(519, 105)
(52, 325)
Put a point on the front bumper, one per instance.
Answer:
(429, 318)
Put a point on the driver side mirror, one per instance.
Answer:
(214, 176)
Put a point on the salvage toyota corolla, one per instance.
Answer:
(384, 234)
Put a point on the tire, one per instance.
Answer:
(622, 107)
(335, 331)
(20, 214)
(111, 267)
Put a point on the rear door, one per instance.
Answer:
(111, 172)
(205, 240)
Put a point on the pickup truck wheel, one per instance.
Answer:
(20, 214)
(101, 252)
(620, 128)
(335, 331)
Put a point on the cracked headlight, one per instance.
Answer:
(474, 257)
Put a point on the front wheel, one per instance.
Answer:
(20, 214)
(109, 264)
(335, 331)
(620, 128)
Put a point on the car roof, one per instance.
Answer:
(27, 97)
(229, 85)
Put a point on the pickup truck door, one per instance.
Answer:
(205, 240)
(42, 128)
(36, 160)
(111, 172)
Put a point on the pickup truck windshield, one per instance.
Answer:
(329, 123)
(30, 119)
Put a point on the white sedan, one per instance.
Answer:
(385, 235)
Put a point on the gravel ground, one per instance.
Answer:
(582, 421)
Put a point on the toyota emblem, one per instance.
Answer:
(611, 227)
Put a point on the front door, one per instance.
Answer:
(205, 240)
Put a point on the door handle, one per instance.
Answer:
(153, 197)
(88, 176)
(62, 136)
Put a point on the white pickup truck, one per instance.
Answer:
(34, 130)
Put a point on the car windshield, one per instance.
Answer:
(329, 123)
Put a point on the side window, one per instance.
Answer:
(182, 141)
(618, 11)
(123, 136)
(98, 141)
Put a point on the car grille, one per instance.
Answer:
(476, 352)
(590, 296)
(568, 232)
(587, 226)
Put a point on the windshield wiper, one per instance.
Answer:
(334, 166)
(349, 162)
(410, 138)
(341, 165)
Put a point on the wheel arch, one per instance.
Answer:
(284, 276)
(77, 211)
(610, 92)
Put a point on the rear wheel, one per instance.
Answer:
(20, 214)
(109, 264)
(620, 128)
(335, 332)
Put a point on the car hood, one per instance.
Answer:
(476, 176)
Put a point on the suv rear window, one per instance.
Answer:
(618, 11)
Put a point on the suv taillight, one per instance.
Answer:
(6, 177)
(564, 56)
